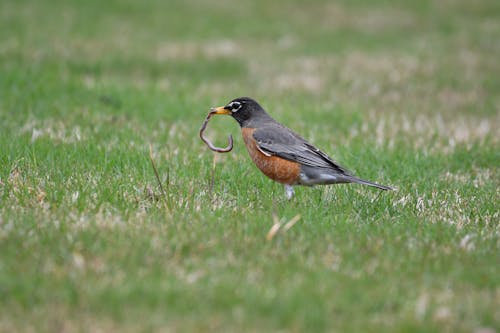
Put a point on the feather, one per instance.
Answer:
(277, 140)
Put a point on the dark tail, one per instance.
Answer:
(366, 182)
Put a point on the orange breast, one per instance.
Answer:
(276, 168)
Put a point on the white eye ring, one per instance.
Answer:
(235, 106)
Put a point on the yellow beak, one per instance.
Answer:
(220, 110)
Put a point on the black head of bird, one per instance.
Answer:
(244, 110)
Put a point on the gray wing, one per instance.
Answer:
(280, 141)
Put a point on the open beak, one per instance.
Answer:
(220, 110)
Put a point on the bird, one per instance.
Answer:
(283, 155)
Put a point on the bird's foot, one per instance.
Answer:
(289, 191)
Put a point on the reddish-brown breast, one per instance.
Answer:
(276, 168)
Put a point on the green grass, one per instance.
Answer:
(403, 93)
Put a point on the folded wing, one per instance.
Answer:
(275, 141)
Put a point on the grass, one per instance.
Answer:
(404, 93)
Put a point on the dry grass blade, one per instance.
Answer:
(273, 231)
(156, 170)
(212, 177)
(277, 226)
(291, 223)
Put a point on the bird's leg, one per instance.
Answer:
(289, 191)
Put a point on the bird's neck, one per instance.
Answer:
(255, 120)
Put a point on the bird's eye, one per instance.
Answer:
(235, 106)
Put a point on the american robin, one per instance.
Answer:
(283, 155)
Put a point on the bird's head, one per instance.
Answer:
(243, 109)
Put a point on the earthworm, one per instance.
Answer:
(210, 144)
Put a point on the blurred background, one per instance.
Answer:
(411, 69)
(424, 57)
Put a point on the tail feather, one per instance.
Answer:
(369, 183)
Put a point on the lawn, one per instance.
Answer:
(404, 93)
